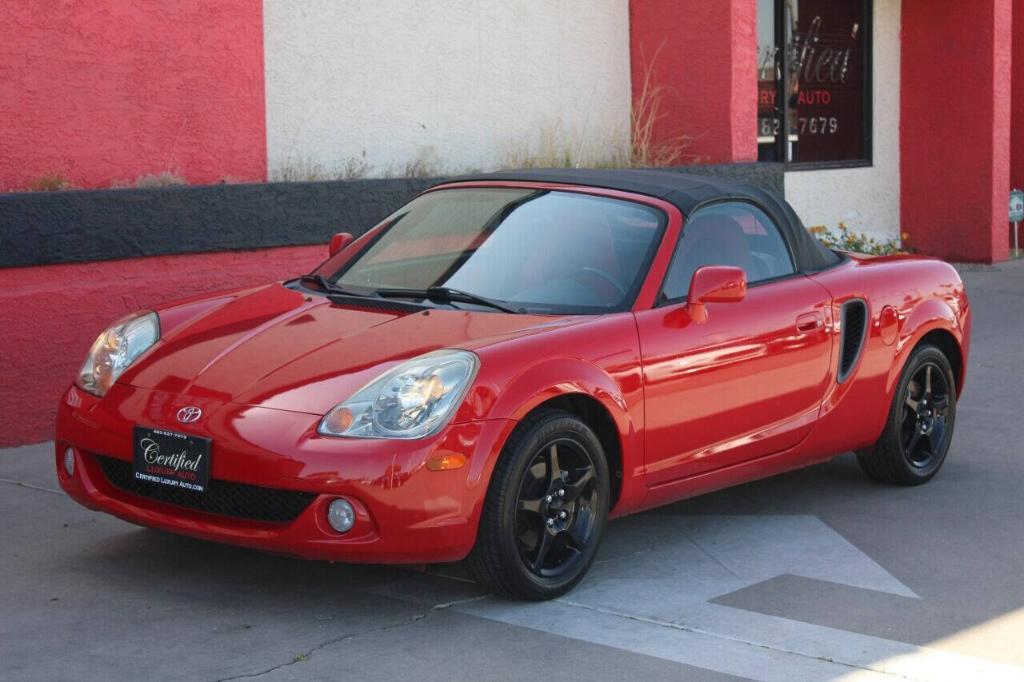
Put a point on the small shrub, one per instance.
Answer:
(550, 150)
(164, 179)
(648, 109)
(51, 182)
(640, 149)
(845, 239)
(303, 170)
(355, 167)
(426, 164)
(308, 170)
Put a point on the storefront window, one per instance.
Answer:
(813, 81)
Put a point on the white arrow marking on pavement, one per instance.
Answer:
(649, 593)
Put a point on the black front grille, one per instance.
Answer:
(854, 325)
(221, 497)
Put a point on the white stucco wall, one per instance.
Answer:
(866, 199)
(456, 83)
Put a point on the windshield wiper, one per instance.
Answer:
(327, 287)
(448, 294)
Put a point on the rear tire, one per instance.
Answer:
(919, 429)
(545, 511)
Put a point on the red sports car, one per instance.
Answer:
(506, 362)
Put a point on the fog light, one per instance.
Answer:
(341, 515)
(69, 461)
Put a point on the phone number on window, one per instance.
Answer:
(813, 125)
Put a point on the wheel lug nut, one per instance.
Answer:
(548, 498)
(561, 492)
(562, 514)
(551, 522)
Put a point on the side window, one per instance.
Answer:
(732, 233)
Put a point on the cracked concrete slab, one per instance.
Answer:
(451, 646)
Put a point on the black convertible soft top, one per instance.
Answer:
(688, 193)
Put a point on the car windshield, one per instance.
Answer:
(541, 251)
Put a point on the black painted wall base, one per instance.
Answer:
(46, 228)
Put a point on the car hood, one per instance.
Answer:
(279, 348)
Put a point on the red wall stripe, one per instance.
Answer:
(955, 148)
(108, 91)
(50, 315)
(701, 59)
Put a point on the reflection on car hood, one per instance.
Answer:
(279, 348)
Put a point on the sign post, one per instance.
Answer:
(1016, 216)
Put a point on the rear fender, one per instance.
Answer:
(928, 316)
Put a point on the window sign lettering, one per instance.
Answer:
(812, 74)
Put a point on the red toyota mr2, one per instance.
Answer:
(508, 361)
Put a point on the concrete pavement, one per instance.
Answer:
(819, 574)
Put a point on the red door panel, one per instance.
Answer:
(746, 383)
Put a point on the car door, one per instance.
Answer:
(748, 380)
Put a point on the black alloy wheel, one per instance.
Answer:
(926, 412)
(545, 511)
(919, 429)
(556, 508)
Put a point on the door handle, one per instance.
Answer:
(808, 322)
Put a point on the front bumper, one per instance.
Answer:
(405, 512)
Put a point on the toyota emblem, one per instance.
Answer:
(187, 415)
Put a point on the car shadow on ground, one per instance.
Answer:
(142, 558)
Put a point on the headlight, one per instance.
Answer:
(116, 349)
(412, 400)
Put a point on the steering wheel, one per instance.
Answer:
(602, 275)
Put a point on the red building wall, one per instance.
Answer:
(108, 91)
(955, 127)
(700, 59)
(1017, 102)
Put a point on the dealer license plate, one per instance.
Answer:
(178, 460)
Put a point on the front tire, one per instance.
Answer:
(920, 426)
(545, 511)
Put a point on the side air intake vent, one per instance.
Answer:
(854, 326)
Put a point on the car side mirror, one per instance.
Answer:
(340, 241)
(714, 284)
